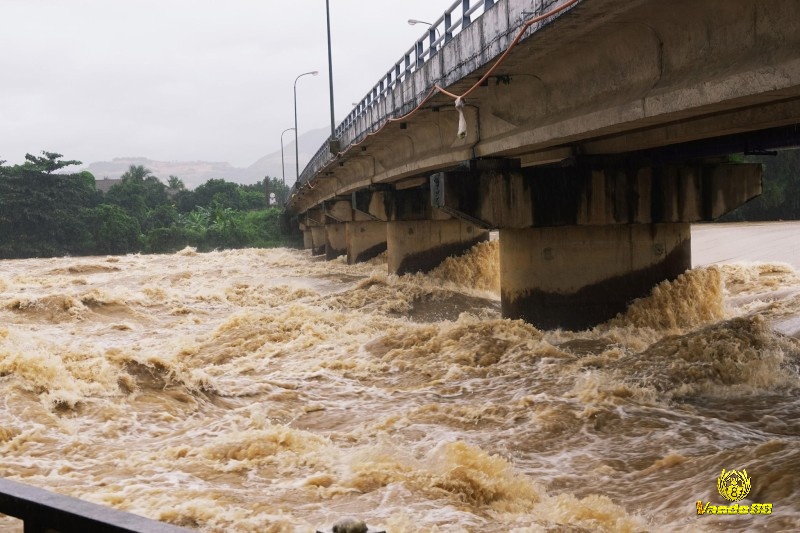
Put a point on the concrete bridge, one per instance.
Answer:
(591, 133)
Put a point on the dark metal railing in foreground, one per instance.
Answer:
(43, 511)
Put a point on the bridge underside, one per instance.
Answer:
(578, 241)
(594, 146)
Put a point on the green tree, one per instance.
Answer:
(175, 183)
(224, 193)
(780, 198)
(163, 216)
(38, 208)
(138, 193)
(278, 188)
(112, 230)
(47, 164)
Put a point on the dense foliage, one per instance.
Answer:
(780, 199)
(46, 213)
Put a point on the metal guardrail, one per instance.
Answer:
(367, 114)
(455, 19)
(43, 511)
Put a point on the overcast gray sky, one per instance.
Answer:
(187, 79)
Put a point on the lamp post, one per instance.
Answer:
(283, 169)
(333, 146)
(296, 150)
(412, 22)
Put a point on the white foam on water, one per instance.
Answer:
(268, 390)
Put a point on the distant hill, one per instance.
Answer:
(194, 173)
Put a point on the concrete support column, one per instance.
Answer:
(317, 240)
(365, 240)
(308, 242)
(576, 277)
(335, 241)
(420, 245)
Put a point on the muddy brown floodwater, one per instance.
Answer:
(266, 390)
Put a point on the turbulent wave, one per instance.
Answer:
(267, 390)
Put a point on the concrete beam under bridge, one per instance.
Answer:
(499, 194)
(578, 243)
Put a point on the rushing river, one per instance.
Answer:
(267, 390)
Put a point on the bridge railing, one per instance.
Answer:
(379, 103)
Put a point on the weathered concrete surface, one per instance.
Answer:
(335, 240)
(595, 192)
(308, 242)
(372, 203)
(317, 240)
(339, 210)
(575, 277)
(314, 217)
(606, 77)
(365, 240)
(420, 245)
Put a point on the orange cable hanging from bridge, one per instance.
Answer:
(459, 98)
(502, 58)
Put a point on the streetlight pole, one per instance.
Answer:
(296, 150)
(283, 168)
(330, 78)
(412, 22)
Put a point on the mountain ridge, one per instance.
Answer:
(194, 173)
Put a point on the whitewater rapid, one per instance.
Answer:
(268, 390)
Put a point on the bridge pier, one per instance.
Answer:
(365, 240)
(578, 243)
(575, 277)
(312, 225)
(317, 240)
(420, 245)
(335, 240)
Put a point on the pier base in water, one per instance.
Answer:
(575, 277)
(308, 241)
(335, 241)
(420, 245)
(365, 240)
(317, 240)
